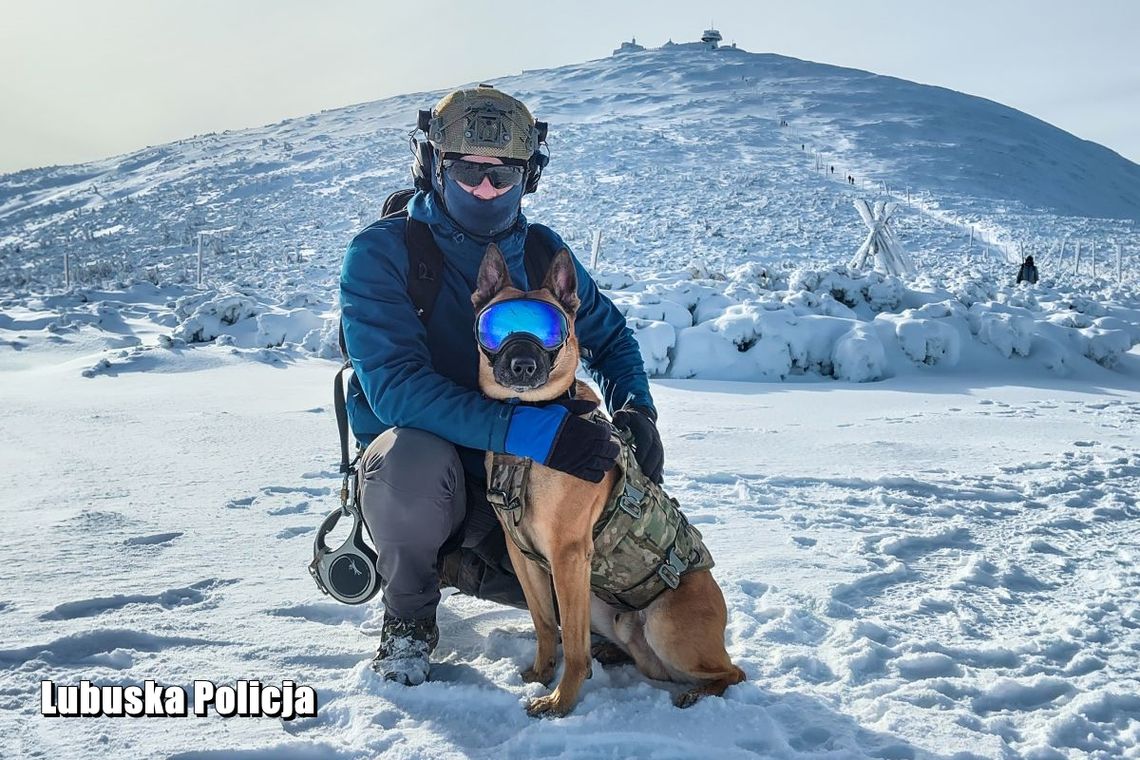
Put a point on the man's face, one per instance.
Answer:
(484, 190)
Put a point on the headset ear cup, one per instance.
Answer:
(534, 169)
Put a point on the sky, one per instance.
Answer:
(87, 79)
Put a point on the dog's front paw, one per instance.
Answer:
(547, 707)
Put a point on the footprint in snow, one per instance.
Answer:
(102, 646)
(168, 599)
(154, 539)
(325, 613)
(298, 530)
(319, 474)
(293, 509)
(305, 490)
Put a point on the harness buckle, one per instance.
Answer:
(671, 569)
(630, 500)
(500, 499)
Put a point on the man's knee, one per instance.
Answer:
(412, 487)
(409, 459)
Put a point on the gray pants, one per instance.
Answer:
(418, 506)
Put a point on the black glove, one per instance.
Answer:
(647, 448)
(582, 448)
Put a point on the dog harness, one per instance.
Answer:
(642, 542)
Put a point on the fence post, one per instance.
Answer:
(1077, 259)
(199, 259)
(1119, 261)
(66, 269)
(596, 254)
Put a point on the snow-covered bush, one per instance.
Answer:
(210, 319)
(859, 356)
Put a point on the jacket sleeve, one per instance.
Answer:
(387, 344)
(610, 351)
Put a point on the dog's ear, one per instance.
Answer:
(493, 277)
(562, 281)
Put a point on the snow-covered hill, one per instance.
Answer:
(937, 564)
(679, 158)
(683, 144)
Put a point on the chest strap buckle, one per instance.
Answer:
(671, 569)
(630, 500)
(501, 499)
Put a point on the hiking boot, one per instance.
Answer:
(404, 649)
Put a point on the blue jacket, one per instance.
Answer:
(409, 375)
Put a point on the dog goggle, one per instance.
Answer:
(471, 173)
(538, 320)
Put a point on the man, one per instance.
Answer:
(1027, 272)
(413, 400)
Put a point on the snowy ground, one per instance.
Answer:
(944, 568)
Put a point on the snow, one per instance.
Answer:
(920, 491)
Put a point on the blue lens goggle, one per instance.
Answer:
(538, 320)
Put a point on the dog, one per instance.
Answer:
(680, 636)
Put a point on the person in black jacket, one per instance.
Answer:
(1027, 272)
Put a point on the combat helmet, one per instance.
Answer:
(480, 121)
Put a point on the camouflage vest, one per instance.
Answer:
(642, 542)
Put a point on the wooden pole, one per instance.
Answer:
(1077, 259)
(66, 269)
(1119, 261)
(199, 259)
(596, 254)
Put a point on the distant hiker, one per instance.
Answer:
(414, 401)
(833, 170)
(1027, 272)
(801, 146)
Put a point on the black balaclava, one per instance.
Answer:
(475, 216)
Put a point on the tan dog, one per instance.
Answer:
(680, 635)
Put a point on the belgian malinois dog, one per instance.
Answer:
(680, 635)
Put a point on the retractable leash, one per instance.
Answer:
(348, 572)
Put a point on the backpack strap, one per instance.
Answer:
(425, 268)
